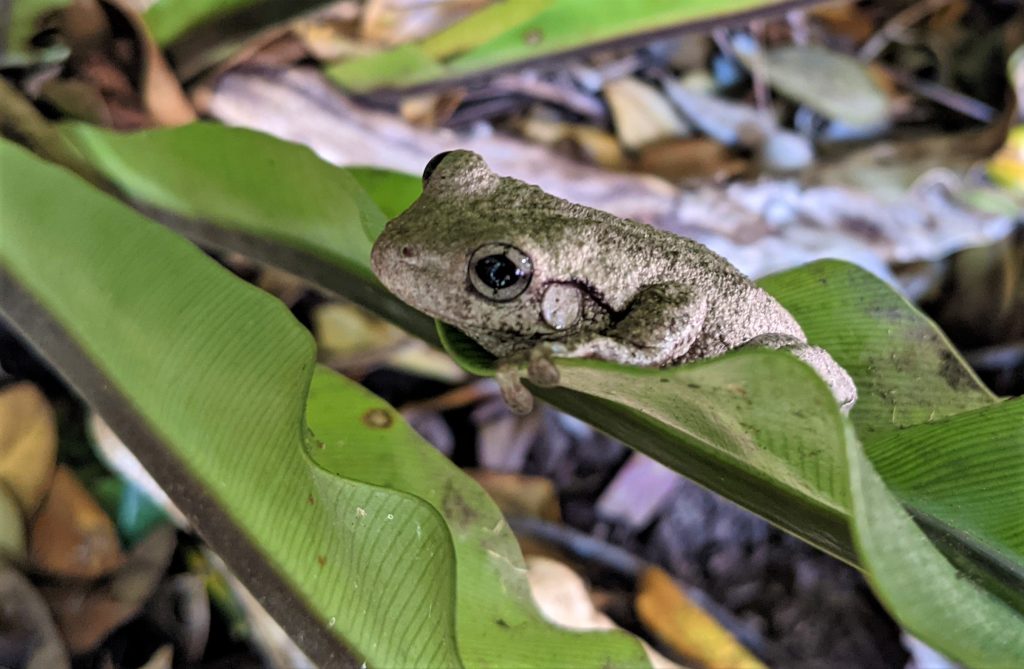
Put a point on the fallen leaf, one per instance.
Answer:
(685, 627)
(690, 158)
(87, 613)
(562, 597)
(393, 22)
(27, 625)
(28, 444)
(641, 114)
(590, 143)
(835, 85)
(12, 529)
(159, 88)
(71, 536)
(521, 495)
(639, 490)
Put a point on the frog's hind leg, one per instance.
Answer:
(838, 380)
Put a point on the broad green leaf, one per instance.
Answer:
(398, 557)
(905, 369)
(922, 590)
(968, 471)
(240, 190)
(532, 29)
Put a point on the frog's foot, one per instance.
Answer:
(541, 369)
(515, 394)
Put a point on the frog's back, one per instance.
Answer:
(738, 309)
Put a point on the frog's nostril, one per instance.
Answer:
(408, 252)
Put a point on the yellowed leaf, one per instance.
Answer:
(687, 628)
(28, 444)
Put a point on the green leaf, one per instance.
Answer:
(964, 478)
(240, 190)
(512, 32)
(905, 369)
(926, 593)
(338, 531)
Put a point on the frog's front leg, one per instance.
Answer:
(659, 326)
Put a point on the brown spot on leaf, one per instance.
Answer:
(311, 500)
(321, 560)
(533, 37)
(379, 418)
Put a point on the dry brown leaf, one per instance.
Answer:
(685, 627)
(691, 158)
(160, 89)
(28, 444)
(592, 144)
(521, 495)
(641, 114)
(88, 612)
(844, 19)
(71, 536)
(431, 109)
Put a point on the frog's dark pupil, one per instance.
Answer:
(497, 271)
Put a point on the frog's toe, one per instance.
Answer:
(515, 394)
(542, 369)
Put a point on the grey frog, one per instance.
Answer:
(530, 277)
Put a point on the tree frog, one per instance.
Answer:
(532, 277)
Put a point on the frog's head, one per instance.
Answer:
(482, 252)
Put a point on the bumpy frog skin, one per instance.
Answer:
(531, 277)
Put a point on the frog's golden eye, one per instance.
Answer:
(432, 165)
(500, 272)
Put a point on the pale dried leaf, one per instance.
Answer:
(393, 22)
(835, 85)
(562, 597)
(641, 114)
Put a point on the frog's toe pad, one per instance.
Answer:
(515, 394)
(542, 369)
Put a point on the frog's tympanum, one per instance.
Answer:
(532, 277)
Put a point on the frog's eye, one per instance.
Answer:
(432, 165)
(500, 272)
